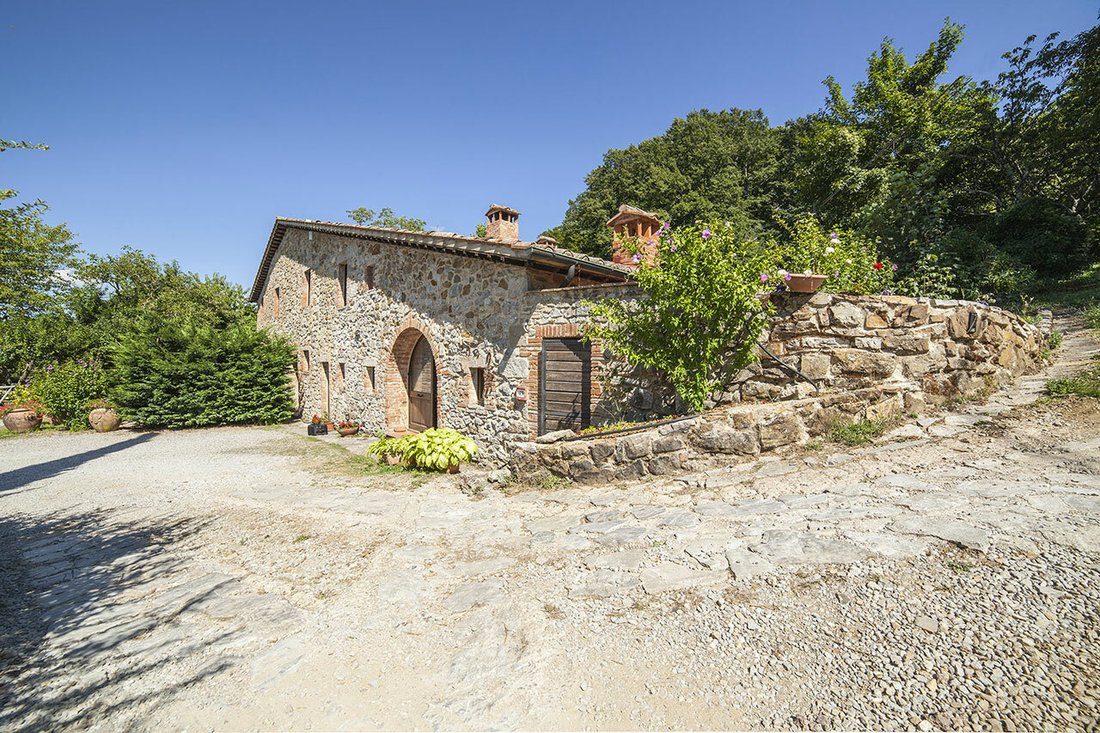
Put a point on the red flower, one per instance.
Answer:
(878, 265)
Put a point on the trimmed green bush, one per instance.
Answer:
(177, 373)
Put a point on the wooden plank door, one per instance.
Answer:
(422, 386)
(565, 385)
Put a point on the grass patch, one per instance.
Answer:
(538, 481)
(301, 538)
(959, 566)
(1092, 316)
(1054, 341)
(1080, 290)
(860, 432)
(1084, 384)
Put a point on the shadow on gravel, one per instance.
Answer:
(75, 641)
(20, 477)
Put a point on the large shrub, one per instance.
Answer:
(1043, 235)
(699, 319)
(849, 261)
(183, 374)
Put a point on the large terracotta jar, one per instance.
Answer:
(22, 420)
(103, 419)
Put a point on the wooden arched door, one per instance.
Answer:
(421, 386)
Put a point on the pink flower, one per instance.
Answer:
(763, 277)
(706, 234)
(637, 258)
(894, 268)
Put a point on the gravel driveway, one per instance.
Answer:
(945, 577)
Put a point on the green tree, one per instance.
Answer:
(891, 161)
(706, 166)
(481, 230)
(386, 218)
(698, 320)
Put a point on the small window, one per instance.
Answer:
(307, 288)
(342, 274)
(477, 376)
(305, 360)
(368, 278)
(275, 305)
(368, 381)
(341, 372)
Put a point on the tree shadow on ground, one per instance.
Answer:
(20, 477)
(76, 642)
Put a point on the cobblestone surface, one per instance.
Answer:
(945, 577)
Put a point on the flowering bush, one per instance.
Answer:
(22, 398)
(66, 388)
(850, 263)
(316, 420)
(347, 424)
(699, 321)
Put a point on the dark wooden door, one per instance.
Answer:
(565, 385)
(422, 386)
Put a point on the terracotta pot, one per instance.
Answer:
(21, 420)
(103, 419)
(345, 432)
(805, 283)
(330, 426)
(453, 468)
(391, 460)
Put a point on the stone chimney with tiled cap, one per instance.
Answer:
(632, 222)
(503, 224)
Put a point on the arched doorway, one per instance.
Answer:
(421, 385)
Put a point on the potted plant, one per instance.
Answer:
(388, 450)
(347, 428)
(439, 449)
(317, 426)
(23, 414)
(102, 416)
(329, 424)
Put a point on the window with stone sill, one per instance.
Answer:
(307, 288)
(368, 380)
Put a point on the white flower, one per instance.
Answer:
(782, 272)
(808, 272)
(830, 250)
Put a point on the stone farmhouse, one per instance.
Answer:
(409, 330)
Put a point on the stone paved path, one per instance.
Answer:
(247, 578)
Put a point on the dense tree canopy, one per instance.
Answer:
(997, 182)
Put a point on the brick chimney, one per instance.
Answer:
(633, 222)
(503, 224)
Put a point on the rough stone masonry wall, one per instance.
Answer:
(467, 309)
(475, 314)
(871, 357)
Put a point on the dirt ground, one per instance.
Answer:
(944, 577)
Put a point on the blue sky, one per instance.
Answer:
(184, 128)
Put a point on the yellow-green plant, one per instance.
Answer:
(437, 449)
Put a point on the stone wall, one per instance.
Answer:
(720, 436)
(475, 313)
(842, 342)
(869, 356)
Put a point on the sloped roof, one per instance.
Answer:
(627, 212)
(518, 253)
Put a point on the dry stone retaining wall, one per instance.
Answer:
(871, 357)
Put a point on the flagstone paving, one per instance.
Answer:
(944, 577)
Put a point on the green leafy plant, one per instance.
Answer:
(23, 398)
(437, 449)
(850, 262)
(700, 316)
(1054, 340)
(386, 447)
(65, 389)
(1084, 384)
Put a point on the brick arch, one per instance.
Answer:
(396, 378)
